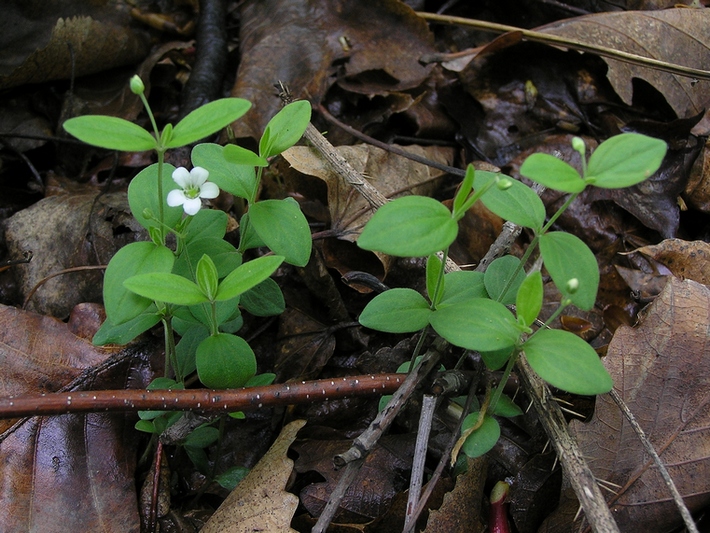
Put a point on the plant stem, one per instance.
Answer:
(503, 380)
(161, 209)
(170, 355)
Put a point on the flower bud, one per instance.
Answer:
(572, 285)
(136, 85)
(578, 145)
(504, 184)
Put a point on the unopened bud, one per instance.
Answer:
(504, 184)
(578, 145)
(572, 285)
(136, 85)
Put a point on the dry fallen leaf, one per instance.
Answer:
(662, 371)
(260, 502)
(687, 260)
(77, 467)
(677, 36)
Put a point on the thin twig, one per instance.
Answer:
(200, 400)
(677, 498)
(555, 40)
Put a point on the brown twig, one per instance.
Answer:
(201, 400)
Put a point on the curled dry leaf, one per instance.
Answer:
(677, 36)
(260, 501)
(686, 260)
(662, 371)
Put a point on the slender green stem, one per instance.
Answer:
(161, 200)
(562, 209)
(214, 327)
(439, 281)
(563, 304)
(503, 380)
(418, 347)
(170, 354)
(150, 116)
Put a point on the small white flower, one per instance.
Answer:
(194, 187)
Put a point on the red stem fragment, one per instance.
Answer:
(498, 514)
(201, 400)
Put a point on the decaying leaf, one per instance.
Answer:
(460, 512)
(78, 467)
(260, 502)
(391, 174)
(687, 260)
(677, 36)
(662, 371)
(697, 190)
(58, 40)
(372, 46)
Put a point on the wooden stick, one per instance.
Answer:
(201, 400)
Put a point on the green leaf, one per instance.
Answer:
(412, 226)
(206, 224)
(553, 173)
(483, 439)
(206, 120)
(567, 362)
(529, 300)
(186, 349)
(396, 311)
(497, 276)
(239, 180)
(231, 477)
(124, 333)
(434, 268)
(566, 257)
(477, 324)
(285, 129)
(121, 304)
(496, 359)
(206, 276)
(464, 191)
(247, 276)
(201, 437)
(143, 195)
(224, 311)
(164, 287)
(265, 299)
(110, 132)
(518, 204)
(248, 237)
(463, 285)
(261, 380)
(507, 407)
(283, 228)
(224, 255)
(225, 361)
(625, 160)
(241, 156)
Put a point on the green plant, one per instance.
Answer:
(471, 309)
(197, 286)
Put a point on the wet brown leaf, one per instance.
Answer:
(687, 260)
(697, 190)
(43, 41)
(372, 47)
(260, 501)
(673, 35)
(78, 467)
(375, 485)
(662, 371)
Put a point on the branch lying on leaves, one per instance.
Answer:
(199, 399)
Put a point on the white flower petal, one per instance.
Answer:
(199, 175)
(181, 176)
(209, 190)
(192, 205)
(176, 197)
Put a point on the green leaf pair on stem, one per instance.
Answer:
(468, 309)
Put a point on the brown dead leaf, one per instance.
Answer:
(697, 190)
(662, 371)
(687, 260)
(673, 35)
(260, 502)
(461, 510)
(373, 47)
(77, 467)
(375, 485)
(42, 41)
(391, 174)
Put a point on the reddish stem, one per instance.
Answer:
(498, 514)
(199, 399)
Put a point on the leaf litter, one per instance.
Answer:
(362, 63)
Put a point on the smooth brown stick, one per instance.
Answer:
(201, 400)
